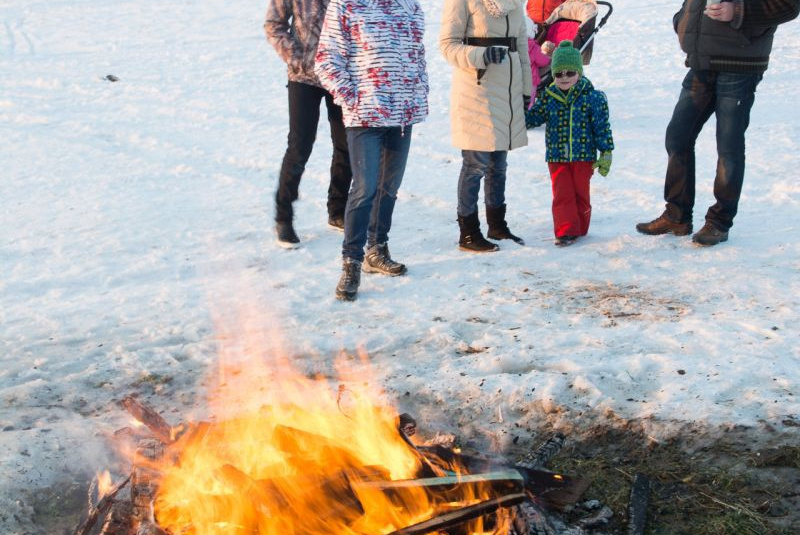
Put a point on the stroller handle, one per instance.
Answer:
(600, 24)
(608, 13)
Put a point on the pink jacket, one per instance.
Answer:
(538, 60)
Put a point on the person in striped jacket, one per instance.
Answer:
(371, 58)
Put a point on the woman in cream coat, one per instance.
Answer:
(486, 42)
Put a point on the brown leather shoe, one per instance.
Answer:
(710, 235)
(664, 225)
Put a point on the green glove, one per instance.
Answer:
(603, 163)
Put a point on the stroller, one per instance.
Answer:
(574, 20)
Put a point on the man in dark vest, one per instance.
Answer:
(727, 47)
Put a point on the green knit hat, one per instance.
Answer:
(566, 58)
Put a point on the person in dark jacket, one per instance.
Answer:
(292, 28)
(727, 47)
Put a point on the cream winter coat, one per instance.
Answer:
(486, 115)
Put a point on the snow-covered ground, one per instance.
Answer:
(136, 247)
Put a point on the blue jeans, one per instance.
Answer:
(475, 166)
(730, 97)
(378, 158)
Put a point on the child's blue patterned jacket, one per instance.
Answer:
(577, 123)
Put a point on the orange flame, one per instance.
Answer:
(104, 484)
(292, 455)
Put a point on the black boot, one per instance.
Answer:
(498, 228)
(471, 238)
(287, 237)
(347, 288)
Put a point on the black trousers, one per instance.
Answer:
(304, 106)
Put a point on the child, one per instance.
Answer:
(539, 58)
(577, 126)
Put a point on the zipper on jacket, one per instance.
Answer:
(571, 109)
(570, 130)
(510, 85)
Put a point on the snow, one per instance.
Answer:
(137, 248)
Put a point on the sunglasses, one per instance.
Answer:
(565, 74)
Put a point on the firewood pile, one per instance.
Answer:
(523, 498)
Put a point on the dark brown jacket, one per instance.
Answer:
(741, 45)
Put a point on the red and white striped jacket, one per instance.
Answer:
(371, 58)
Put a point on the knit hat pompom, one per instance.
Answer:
(566, 58)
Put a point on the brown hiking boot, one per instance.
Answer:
(664, 225)
(709, 235)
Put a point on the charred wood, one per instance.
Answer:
(599, 519)
(119, 520)
(539, 457)
(149, 527)
(449, 488)
(553, 490)
(150, 418)
(637, 507)
(530, 519)
(100, 509)
(145, 477)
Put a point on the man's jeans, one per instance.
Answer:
(304, 104)
(378, 157)
(475, 166)
(729, 96)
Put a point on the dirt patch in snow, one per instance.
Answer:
(740, 481)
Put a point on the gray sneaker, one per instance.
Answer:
(709, 235)
(378, 260)
(347, 288)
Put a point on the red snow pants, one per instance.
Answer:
(572, 210)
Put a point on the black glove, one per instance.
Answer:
(494, 54)
(526, 99)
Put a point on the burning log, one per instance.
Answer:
(549, 488)
(145, 478)
(119, 520)
(150, 418)
(328, 496)
(462, 515)
(299, 443)
(100, 509)
(500, 483)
